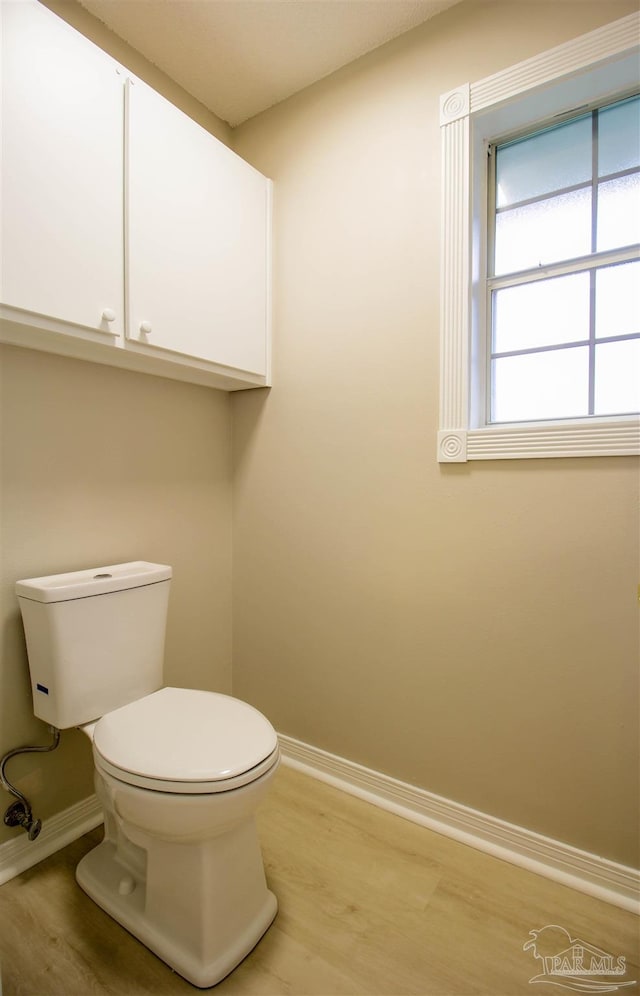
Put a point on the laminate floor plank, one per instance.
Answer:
(369, 905)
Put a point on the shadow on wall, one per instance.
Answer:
(248, 411)
(16, 707)
(39, 777)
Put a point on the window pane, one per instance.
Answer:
(618, 378)
(619, 137)
(618, 300)
(544, 232)
(541, 314)
(553, 384)
(549, 161)
(619, 212)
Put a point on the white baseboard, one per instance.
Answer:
(589, 873)
(598, 877)
(20, 853)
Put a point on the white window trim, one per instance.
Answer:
(468, 116)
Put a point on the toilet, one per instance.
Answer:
(179, 772)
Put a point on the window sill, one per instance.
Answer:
(585, 438)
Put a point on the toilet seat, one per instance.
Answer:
(185, 741)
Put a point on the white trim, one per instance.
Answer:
(605, 438)
(20, 853)
(464, 115)
(587, 50)
(613, 883)
(455, 104)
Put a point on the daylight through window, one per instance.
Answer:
(564, 269)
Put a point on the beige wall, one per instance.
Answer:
(471, 629)
(99, 466)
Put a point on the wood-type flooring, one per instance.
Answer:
(369, 904)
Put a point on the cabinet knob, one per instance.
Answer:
(145, 327)
(109, 315)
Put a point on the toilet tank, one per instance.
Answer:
(95, 639)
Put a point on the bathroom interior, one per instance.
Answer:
(468, 629)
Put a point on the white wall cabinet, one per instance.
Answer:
(130, 235)
(196, 239)
(62, 183)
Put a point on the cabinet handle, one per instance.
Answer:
(145, 327)
(109, 315)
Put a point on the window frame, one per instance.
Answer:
(593, 67)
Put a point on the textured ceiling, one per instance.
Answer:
(239, 57)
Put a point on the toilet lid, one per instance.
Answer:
(183, 740)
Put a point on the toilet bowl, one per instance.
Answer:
(179, 772)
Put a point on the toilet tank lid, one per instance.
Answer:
(95, 581)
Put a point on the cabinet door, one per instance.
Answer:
(196, 252)
(62, 175)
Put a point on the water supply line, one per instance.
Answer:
(19, 813)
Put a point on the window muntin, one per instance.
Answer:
(564, 227)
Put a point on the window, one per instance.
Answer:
(564, 277)
(541, 257)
